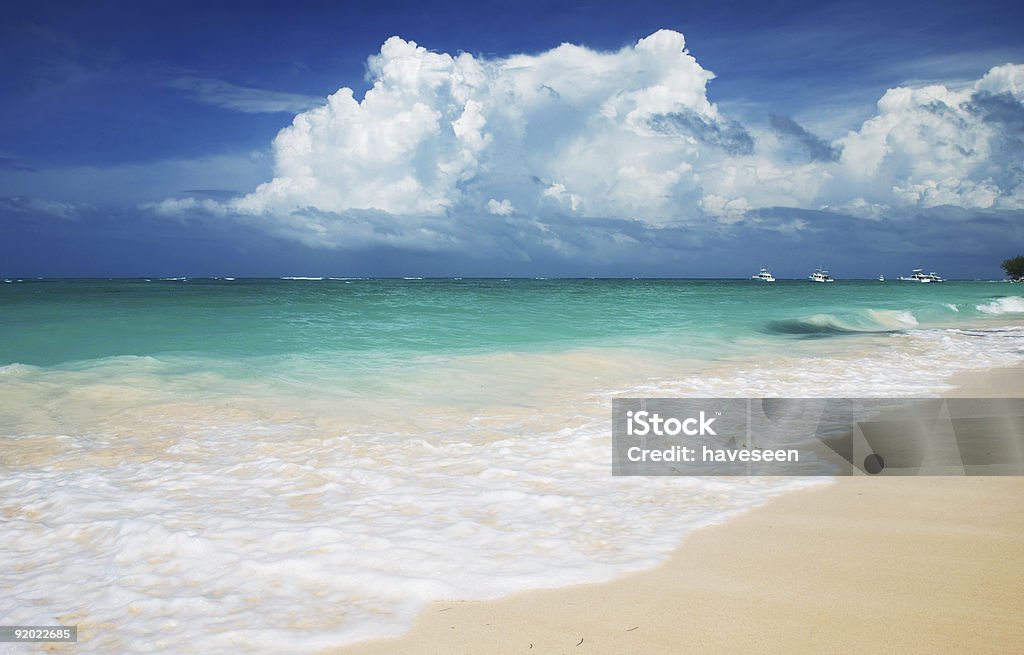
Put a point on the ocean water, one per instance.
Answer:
(283, 465)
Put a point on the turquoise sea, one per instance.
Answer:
(283, 465)
(375, 322)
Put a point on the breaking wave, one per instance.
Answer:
(860, 322)
(999, 306)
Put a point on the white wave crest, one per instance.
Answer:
(1007, 305)
(892, 319)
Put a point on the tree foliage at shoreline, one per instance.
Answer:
(1014, 267)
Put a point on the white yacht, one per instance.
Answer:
(764, 276)
(881, 278)
(918, 275)
(820, 275)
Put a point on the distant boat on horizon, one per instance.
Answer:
(763, 276)
(881, 278)
(918, 275)
(820, 275)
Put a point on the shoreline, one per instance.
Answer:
(905, 564)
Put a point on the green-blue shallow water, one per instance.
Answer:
(378, 321)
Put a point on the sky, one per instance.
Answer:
(667, 139)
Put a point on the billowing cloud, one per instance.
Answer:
(935, 146)
(442, 146)
(610, 134)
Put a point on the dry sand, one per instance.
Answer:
(993, 383)
(864, 565)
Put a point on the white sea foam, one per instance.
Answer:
(912, 363)
(300, 277)
(263, 537)
(16, 369)
(192, 509)
(1006, 305)
(178, 510)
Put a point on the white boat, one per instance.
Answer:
(881, 278)
(820, 275)
(764, 276)
(918, 275)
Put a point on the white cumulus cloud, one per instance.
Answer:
(446, 144)
(570, 129)
(934, 146)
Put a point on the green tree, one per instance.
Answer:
(1014, 267)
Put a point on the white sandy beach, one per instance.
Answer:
(904, 564)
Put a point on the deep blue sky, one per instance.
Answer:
(103, 110)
